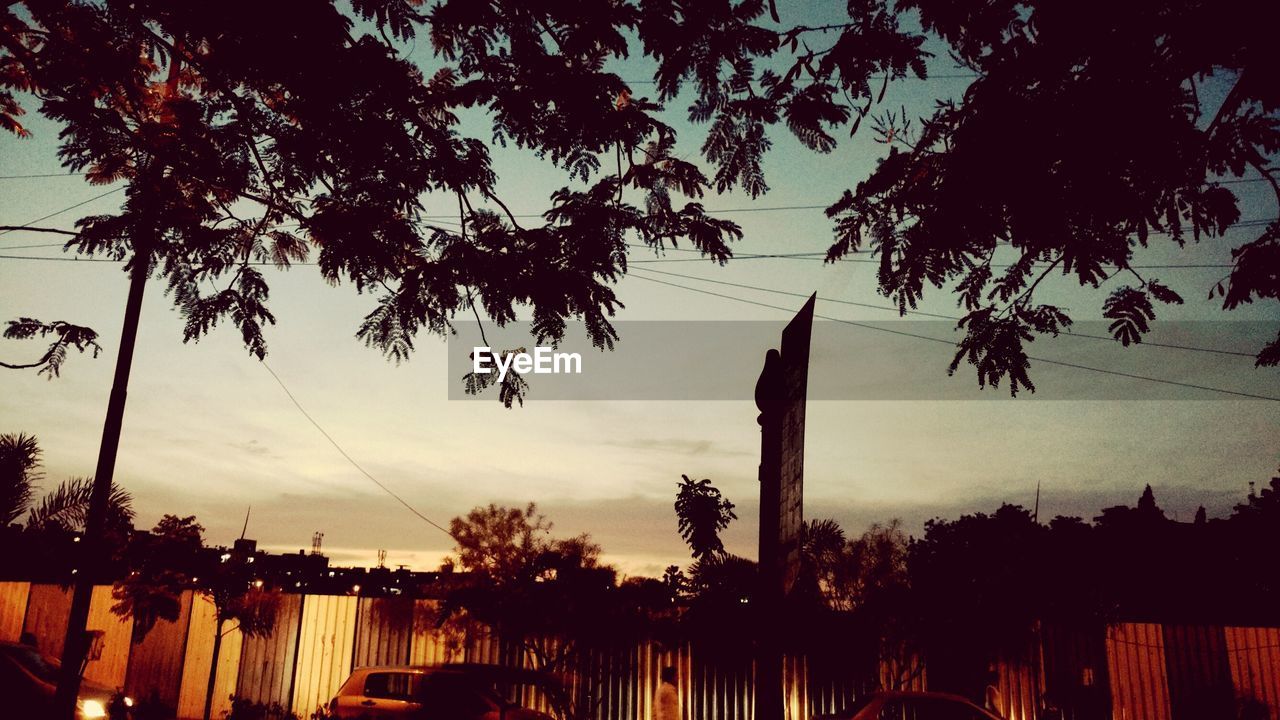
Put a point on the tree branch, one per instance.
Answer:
(26, 366)
(1230, 103)
(29, 228)
(494, 197)
(1275, 186)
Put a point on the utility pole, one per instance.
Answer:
(92, 549)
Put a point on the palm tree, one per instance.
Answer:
(67, 507)
(19, 463)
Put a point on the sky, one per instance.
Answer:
(209, 432)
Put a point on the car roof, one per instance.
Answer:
(921, 694)
(926, 694)
(481, 670)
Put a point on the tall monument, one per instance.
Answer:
(780, 397)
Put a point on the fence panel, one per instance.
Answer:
(13, 609)
(1253, 655)
(155, 664)
(199, 658)
(1136, 658)
(1199, 676)
(48, 608)
(325, 645)
(384, 629)
(111, 667)
(428, 645)
(267, 663)
(1074, 662)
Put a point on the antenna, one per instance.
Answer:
(246, 522)
(1035, 514)
(317, 537)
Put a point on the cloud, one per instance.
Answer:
(253, 447)
(675, 445)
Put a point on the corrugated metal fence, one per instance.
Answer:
(1129, 671)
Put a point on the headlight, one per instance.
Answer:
(93, 709)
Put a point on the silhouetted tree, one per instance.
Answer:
(701, 514)
(347, 157)
(66, 336)
(19, 472)
(549, 597)
(44, 548)
(162, 565)
(240, 599)
(66, 508)
(501, 544)
(168, 561)
(1147, 507)
(1262, 504)
(722, 588)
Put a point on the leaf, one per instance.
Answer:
(994, 346)
(1131, 310)
(1163, 293)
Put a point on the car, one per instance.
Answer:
(459, 691)
(30, 679)
(904, 705)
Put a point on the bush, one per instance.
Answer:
(243, 709)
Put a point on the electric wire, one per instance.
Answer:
(917, 336)
(350, 459)
(922, 313)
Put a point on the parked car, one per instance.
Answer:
(912, 706)
(443, 692)
(30, 679)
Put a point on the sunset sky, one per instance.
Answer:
(209, 432)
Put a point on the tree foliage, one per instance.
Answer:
(66, 508)
(161, 570)
(19, 473)
(1086, 136)
(245, 144)
(551, 598)
(66, 336)
(701, 514)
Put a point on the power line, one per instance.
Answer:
(43, 175)
(1061, 363)
(61, 259)
(1068, 333)
(67, 209)
(350, 459)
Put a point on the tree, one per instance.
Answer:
(701, 514)
(19, 472)
(66, 336)
(502, 545)
(551, 598)
(245, 143)
(161, 566)
(1265, 504)
(55, 522)
(240, 599)
(245, 140)
(1031, 157)
(169, 560)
